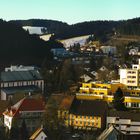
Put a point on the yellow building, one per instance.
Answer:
(64, 107)
(100, 89)
(107, 89)
(130, 101)
(84, 114)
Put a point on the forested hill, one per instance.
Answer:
(99, 28)
(129, 27)
(18, 47)
(53, 26)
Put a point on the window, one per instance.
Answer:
(117, 119)
(128, 125)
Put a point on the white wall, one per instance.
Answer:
(41, 136)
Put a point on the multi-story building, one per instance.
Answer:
(21, 68)
(29, 110)
(131, 77)
(124, 121)
(64, 107)
(107, 89)
(87, 115)
(130, 102)
(100, 88)
(20, 81)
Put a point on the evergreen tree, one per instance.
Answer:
(118, 100)
(13, 133)
(23, 131)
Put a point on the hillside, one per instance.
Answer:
(52, 26)
(35, 30)
(101, 29)
(71, 41)
(18, 47)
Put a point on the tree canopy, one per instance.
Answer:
(118, 100)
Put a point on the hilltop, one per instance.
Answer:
(101, 29)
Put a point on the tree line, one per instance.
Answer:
(101, 29)
(17, 46)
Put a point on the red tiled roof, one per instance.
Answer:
(26, 104)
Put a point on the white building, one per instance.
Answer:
(24, 81)
(108, 49)
(131, 77)
(20, 68)
(59, 51)
(39, 134)
(27, 109)
(126, 122)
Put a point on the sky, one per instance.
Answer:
(70, 11)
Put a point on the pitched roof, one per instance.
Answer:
(66, 102)
(20, 89)
(36, 133)
(134, 116)
(7, 76)
(88, 107)
(26, 104)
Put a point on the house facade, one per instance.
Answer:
(20, 81)
(29, 110)
(84, 115)
(126, 122)
(131, 77)
(39, 134)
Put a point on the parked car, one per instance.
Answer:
(76, 135)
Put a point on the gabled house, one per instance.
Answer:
(86, 78)
(25, 81)
(27, 109)
(39, 134)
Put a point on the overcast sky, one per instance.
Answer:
(70, 11)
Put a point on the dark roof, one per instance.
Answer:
(25, 104)
(20, 76)
(89, 107)
(134, 116)
(21, 89)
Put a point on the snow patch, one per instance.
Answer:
(35, 30)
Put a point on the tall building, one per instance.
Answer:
(131, 77)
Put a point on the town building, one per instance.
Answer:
(100, 88)
(127, 122)
(131, 77)
(20, 81)
(103, 91)
(39, 134)
(88, 115)
(59, 52)
(109, 50)
(21, 68)
(27, 109)
(64, 108)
